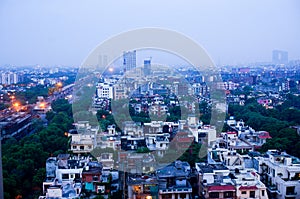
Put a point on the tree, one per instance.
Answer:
(24, 160)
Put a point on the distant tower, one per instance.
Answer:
(279, 57)
(147, 66)
(129, 60)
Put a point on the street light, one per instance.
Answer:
(59, 84)
(16, 105)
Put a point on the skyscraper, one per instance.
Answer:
(147, 67)
(129, 60)
(279, 57)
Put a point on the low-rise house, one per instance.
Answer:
(280, 172)
(158, 141)
(214, 181)
(173, 181)
(141, 186)
(63, 176)
(248, 184)
(91, 177)
(132, 143)
(131, 128)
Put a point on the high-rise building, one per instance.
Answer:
(129, 60)
(147, 67)
(279, 57)
(9, 78)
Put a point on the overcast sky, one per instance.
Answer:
(65, 31)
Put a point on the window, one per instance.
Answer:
(166, 196)
(214, 195)
(228, 194)
(244, 192)
(74, 147)
(95, 178)
(252, 194)
(81, 147)
(290, 190)
(263, 192)
(65, 176)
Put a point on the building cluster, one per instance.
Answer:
(234, 169)
(17, 120)
(8, 78)
(139, 160)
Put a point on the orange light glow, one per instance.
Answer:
(59, 84)
(17, 104)
(42, 105)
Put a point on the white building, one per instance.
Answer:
(104, 90)
(9, 78)
(107, 160)
(84, 139)
(158, 141)
(64, 175)
(248, 185)
(82, 143)
(281, 174)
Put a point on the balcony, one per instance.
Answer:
(272, 189)
(175, 190)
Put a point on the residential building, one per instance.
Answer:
(104, 90)
(248, 184)
(214, 181)
(91, 178)
(141, 186)
(63, 176)
(280, 172)
(173, 181)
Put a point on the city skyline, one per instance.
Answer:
(64, 33)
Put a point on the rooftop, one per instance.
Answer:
(209, 168)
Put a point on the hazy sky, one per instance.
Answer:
(65, 31)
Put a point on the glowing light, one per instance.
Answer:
(16, 104)
(59, 84)
(42, 105)
(111, 69)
